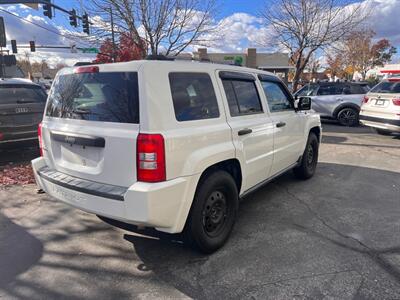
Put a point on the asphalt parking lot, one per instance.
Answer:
(336, 236)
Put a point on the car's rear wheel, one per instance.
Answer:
(213, 212)
(348, 116)
(309, 160)
(383, 131)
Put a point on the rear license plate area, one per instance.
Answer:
(380, 102)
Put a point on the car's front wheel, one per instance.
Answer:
(348, 117)
(309, 160)
(213, 212)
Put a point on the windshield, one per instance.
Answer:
(307, 90)
(107, 97)
(389, 87)
(19, 93)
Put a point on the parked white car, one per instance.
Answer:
(381, 107)
(171, 145)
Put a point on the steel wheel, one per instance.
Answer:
(309, 160)
(214, 213)
(310, 155)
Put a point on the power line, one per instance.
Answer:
(40, 26)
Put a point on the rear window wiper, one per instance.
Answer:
(81, 111)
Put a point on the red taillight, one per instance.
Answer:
(396, 101)
(87, 69)
(366, 99)
(40, 139)
(150, 162)
(1, 136)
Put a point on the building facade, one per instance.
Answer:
(277, 63)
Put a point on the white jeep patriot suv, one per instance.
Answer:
(171, 145)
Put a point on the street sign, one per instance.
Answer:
(3, 40)
(90, 50)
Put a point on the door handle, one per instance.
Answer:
(245, 131)
(280, 124)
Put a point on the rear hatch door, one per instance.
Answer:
(380, 100)
(21, 108)
(91, 125)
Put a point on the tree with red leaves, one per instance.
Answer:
(127, 49)
(361, 54)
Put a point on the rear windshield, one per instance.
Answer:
(387, 87)
(107, 97)
(20, 93)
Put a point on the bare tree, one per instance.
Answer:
(305, 26)
(167, 26)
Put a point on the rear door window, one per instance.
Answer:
(106, 97)
(242, 96)
(193, 96)
(358, 89)
(20, 94)
(329, 90)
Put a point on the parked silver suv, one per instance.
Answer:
(336, 100)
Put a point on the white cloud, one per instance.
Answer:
(55, 57)
(385, 19)
(237, 32)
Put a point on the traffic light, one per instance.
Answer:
(85, 23)
(14, 46)
(72, 18)
(47, 11)
(32, 45)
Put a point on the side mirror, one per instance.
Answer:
(304, 103)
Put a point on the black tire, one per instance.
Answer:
(213, 212)
(309, 160)
(382, 131)
(348, 116)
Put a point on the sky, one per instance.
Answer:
(244, 27)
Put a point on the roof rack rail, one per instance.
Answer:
(158, 57)
(83, 63)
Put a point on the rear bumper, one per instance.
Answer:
(381, 123)
(16, 135)
(164, 206)
(31, 140)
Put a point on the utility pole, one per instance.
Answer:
(3, 68)
(3, 43)
(113, 36)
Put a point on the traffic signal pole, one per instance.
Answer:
(3, 67)
(3, 43)
(44, 2)
(47, 6)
